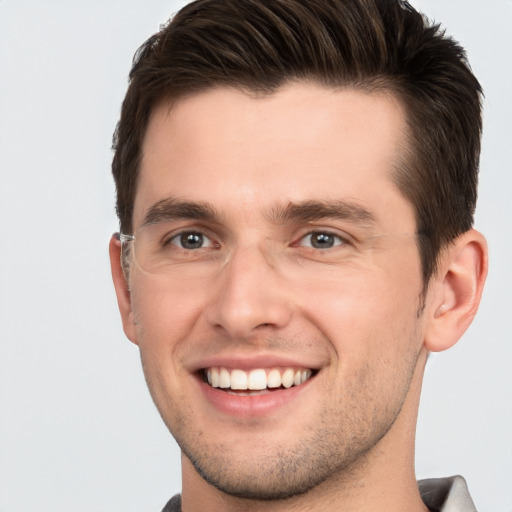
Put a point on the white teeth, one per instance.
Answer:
(215, 379)
(257, 379)
(224, 378)
(274, 378)
(238, 379)
(287, 378)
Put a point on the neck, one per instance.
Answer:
(382, 479)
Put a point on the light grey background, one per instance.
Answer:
(78, 431)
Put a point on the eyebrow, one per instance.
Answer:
(170, 209)
(308, 211)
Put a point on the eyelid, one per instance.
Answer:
(341, 235)
(337, 242)
(177, 234)
(171, 230)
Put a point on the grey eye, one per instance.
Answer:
(321, 240)
(191, 240)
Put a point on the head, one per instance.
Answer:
(321, 157)
(364, 45)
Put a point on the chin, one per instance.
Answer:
(272, 482)
(276, 472)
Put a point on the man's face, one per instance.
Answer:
(289, 255)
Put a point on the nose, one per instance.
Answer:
(249, 294)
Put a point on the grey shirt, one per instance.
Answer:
(439, 495)
(446, 494)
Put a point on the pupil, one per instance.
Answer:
(322, 240)
(191, 240)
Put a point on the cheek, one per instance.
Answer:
(365, 312)
(164, 316)
(163, 321)
(375, 336)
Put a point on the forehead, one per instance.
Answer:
(303, 142)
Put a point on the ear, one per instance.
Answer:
(122, 288)
(455, 291)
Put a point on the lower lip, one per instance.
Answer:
(250, 406)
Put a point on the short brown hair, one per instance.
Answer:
(370, 45)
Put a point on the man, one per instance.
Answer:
(296, 182)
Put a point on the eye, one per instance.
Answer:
(321, 240)
(191, 240)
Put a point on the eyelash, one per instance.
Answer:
(341, 240)
(178, 236)
(338, 240)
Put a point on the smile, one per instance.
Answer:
(256, 380)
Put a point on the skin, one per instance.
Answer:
(353, 312)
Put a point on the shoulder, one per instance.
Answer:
(174, 504)
(446, 494)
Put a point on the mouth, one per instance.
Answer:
(257, 381)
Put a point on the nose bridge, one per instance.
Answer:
(250, 293)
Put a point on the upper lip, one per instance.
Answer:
(252, 362)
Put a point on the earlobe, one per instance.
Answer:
(122, 289)
(455, 291)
